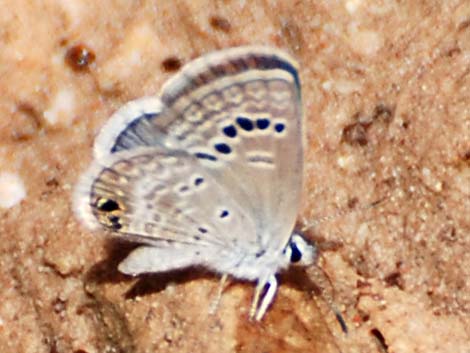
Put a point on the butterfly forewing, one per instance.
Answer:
(240, 112)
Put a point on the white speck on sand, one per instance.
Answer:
(12, 190)
(62, 108)
(365, 42)
(353, 5)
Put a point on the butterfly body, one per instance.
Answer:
(208, 173)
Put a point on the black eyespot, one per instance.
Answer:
(198, 181)
(223, 148)
(113, 219)
(230, 131)
(202, 155)
(117, 226)
(224, 214)
(245, 123)
(202, 230)
(108, 205)
(296, 255)
(115, 222)
(279, 127)
(262, 123)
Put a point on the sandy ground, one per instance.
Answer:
(386, 88)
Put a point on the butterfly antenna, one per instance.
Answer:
(324, 280)
(344, 211)
(340, 320)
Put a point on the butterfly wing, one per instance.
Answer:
(238, 111)
(130, 126)
(162, 258)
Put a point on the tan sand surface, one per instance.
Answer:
(386, 89)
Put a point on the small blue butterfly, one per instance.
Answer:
(207, 173)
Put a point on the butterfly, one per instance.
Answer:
(207, 173)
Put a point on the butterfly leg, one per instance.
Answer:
(268, 297)
(258, 312)
(254, 304)
(215, 303)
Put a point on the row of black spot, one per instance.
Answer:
(231, 132)
(249, 125)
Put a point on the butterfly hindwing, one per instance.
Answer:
(153, 195)
(240, 111)
(162, 258)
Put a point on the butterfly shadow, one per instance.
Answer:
(297, 278)
(106, 272)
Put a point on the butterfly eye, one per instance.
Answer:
(295, 255)
(299, 251)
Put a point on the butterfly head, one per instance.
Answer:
(299, 251)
